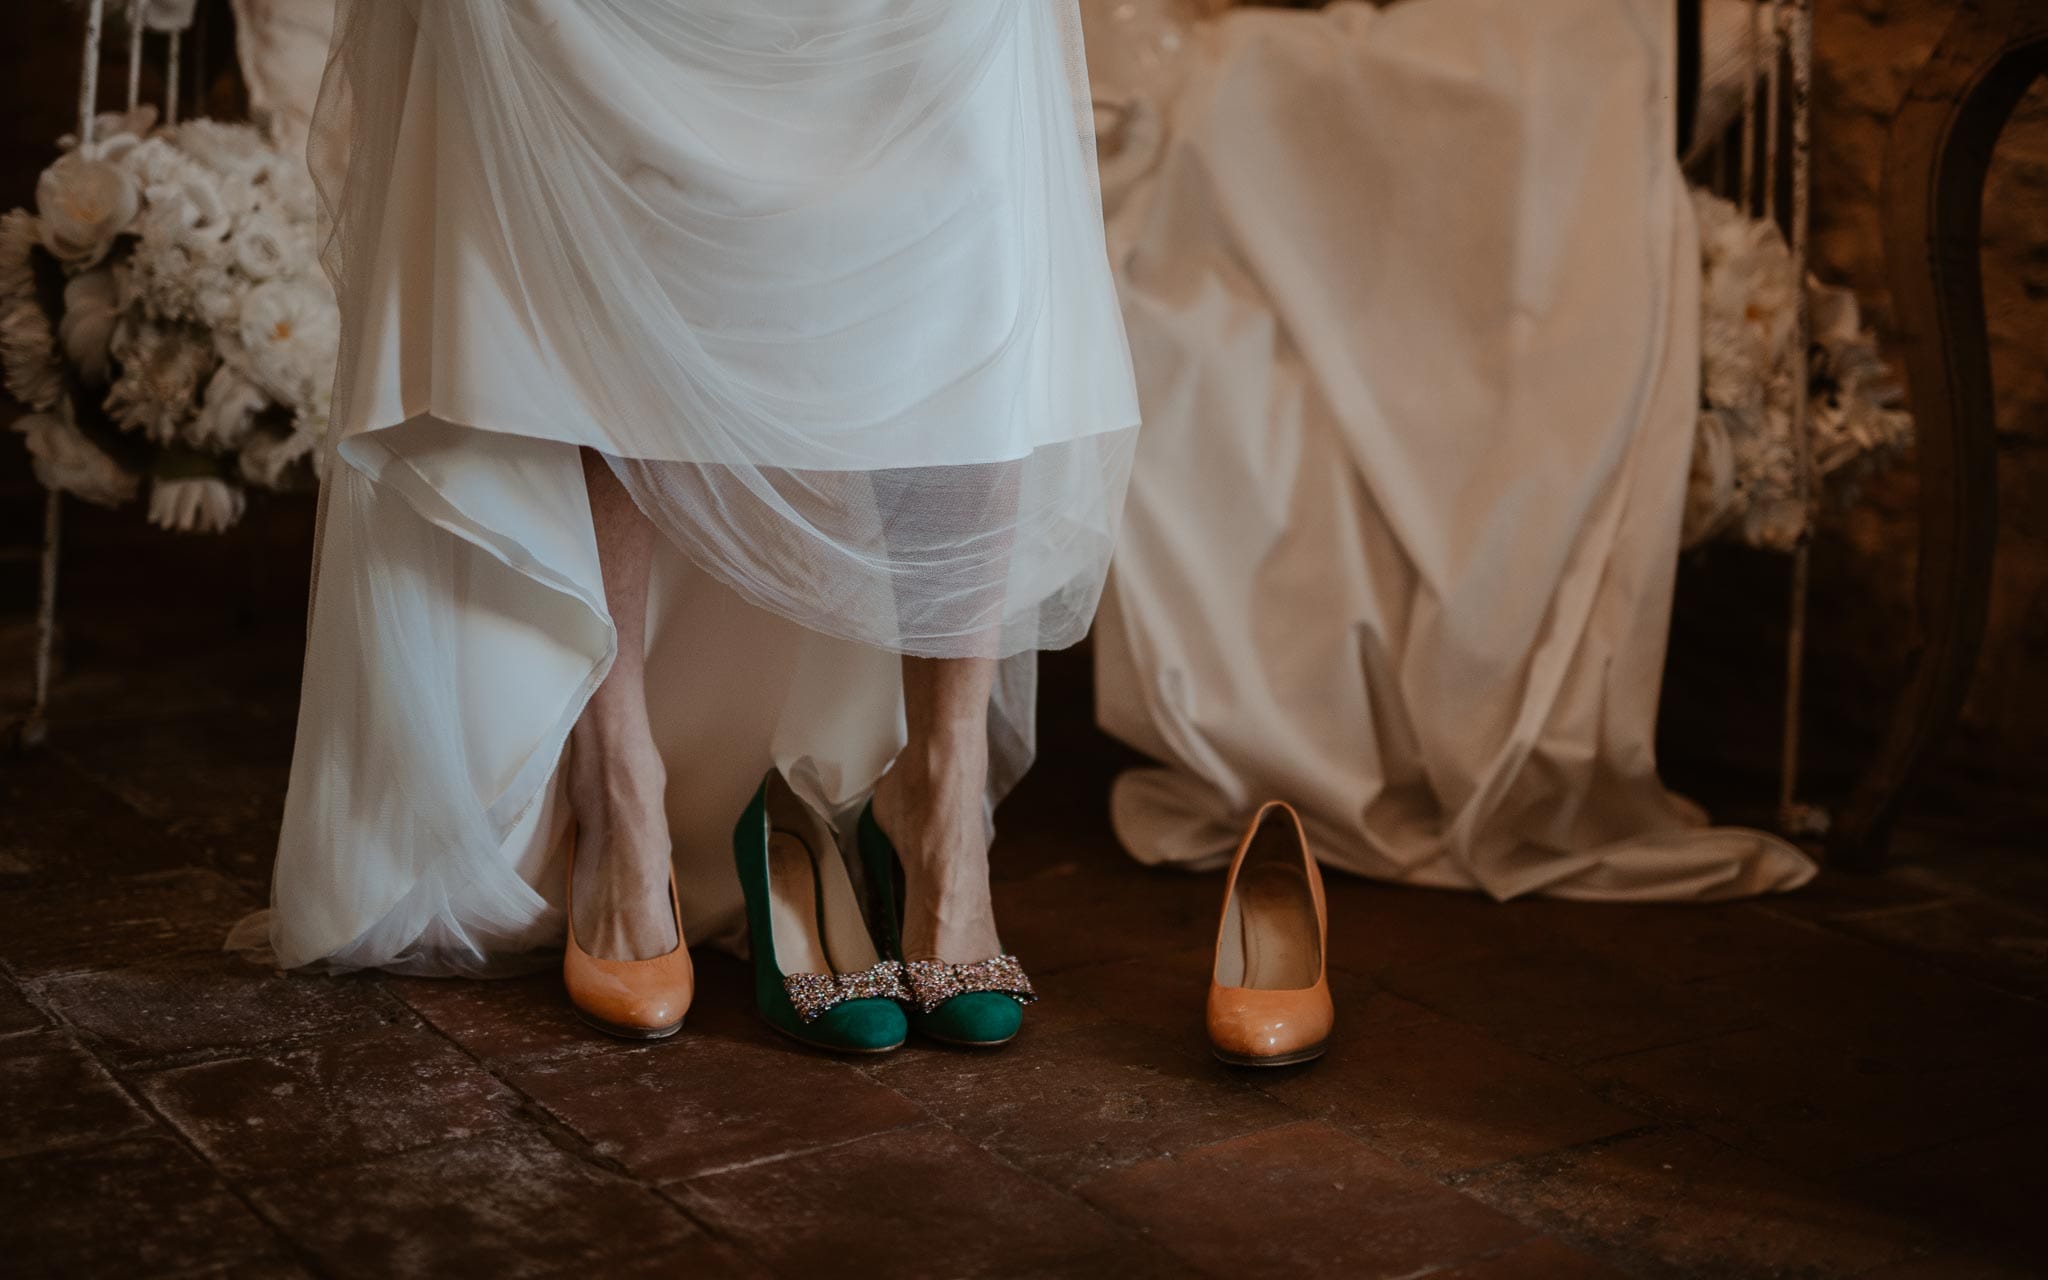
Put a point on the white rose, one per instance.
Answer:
(92, 303)
(152, 161)
(263, 246)
(83, 205)
(187, 210)
(194, 504)
(227, 410)
(28, 353)
(65, 460)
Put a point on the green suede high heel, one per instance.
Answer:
(979, 1004)
(817, 977)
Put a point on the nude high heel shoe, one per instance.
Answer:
(632, 999)
(1269, 994)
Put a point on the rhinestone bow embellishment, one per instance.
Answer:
(933, 982)
(813, 994)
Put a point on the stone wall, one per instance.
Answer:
(1866, 53)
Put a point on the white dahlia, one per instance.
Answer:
(290, 331)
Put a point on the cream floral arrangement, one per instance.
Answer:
(1745, 472)
(164, 317)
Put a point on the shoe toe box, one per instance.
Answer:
(866, 1026)
(1262, 1024)
(976, 1018)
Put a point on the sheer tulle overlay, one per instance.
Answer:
(824, 281)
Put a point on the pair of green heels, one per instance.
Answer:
(818, 977)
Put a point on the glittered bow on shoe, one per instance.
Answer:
(933, 982)
(814, 993)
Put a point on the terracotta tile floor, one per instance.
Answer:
(1844, 1082)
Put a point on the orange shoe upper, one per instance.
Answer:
(649, 995)
(1261, 1021)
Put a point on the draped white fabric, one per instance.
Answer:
(824, 281)
(282, 47)
(1413, 300)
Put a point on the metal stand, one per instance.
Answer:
(33, 728)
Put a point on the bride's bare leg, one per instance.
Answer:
(616, 778)
(930, 804)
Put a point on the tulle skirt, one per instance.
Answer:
(824, 282)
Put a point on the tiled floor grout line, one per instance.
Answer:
(799, 1153)
(531, 1116)
(186, 1059)
(1742, 1027)
(1574, 1065)
(75, 765)
(1940, 1238)
(1117, 1225)
(122, 1079)
(1933, 962)
(667, 1190)
(564, 1137)
(1913, 1153)
(163, 1124)
(1127, 1230)
(1459, 1178)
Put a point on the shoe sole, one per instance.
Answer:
(968, 1044)
(1295, 1058)
(831, 1048)
(623, 1032)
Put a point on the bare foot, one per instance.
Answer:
(620, 892)
(929, 804)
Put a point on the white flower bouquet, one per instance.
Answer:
(164, 317)
(1745, 474)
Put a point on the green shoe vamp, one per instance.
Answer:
(978, 1017)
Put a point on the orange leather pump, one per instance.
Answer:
(632, 999)
(1269, 994)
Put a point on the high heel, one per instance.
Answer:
(631, 999)
(817, 976)
(979, 1004)
(1269, 993)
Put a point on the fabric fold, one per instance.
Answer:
(824, 283)
(1403, 529)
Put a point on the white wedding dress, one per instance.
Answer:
(825, 282)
